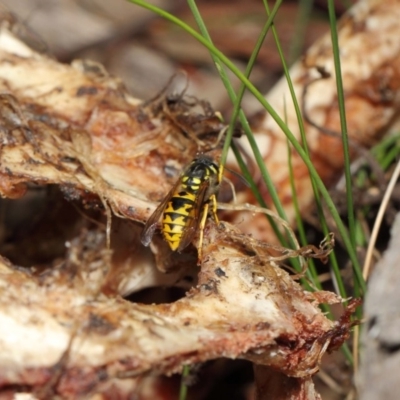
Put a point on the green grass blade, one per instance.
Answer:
(302, 18)
(183, 390)
(342, 113)
(311, 272)
(359, 281)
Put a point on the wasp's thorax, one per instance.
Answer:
(201, 169)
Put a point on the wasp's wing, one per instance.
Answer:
(152, 222)
(194, 217)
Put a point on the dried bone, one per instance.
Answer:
(75, 127)
(62, 311)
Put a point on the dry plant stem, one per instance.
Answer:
(352, 395)
(378, 221)
(330, 382)
(356, 349)
(254, 209)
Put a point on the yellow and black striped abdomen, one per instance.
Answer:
(176, 216)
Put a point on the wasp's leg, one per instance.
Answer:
(220, 135)
(220, 173)
(214, 208)
(201, 226)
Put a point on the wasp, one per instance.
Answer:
(185, 208)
